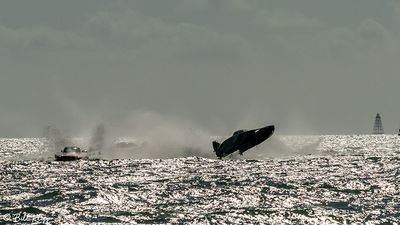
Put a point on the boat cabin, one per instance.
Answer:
(71, 149)
(238, 132)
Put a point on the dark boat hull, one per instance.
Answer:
(257, 138)
(68, 158)
(244, 141)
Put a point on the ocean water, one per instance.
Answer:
(347, 179)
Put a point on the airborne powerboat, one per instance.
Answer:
(242, 140)
(70, 154)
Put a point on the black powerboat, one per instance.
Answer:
(242, 140)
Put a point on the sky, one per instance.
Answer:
(309, 67)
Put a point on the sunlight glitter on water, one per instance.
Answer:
(348, 179)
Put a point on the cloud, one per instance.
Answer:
(192, 5)
(396, 10)
(231, 5)
(43, 37)
(285, 19)
(214, 60)
(336, 45)
(119, 28)
(372, 30)
(127, 28)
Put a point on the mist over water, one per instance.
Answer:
(151, 135)
(143, 135)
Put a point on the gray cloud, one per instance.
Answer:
(285, 19)
(222, 64)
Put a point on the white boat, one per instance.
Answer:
(70, 154)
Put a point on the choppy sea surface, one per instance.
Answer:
(347, 179)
